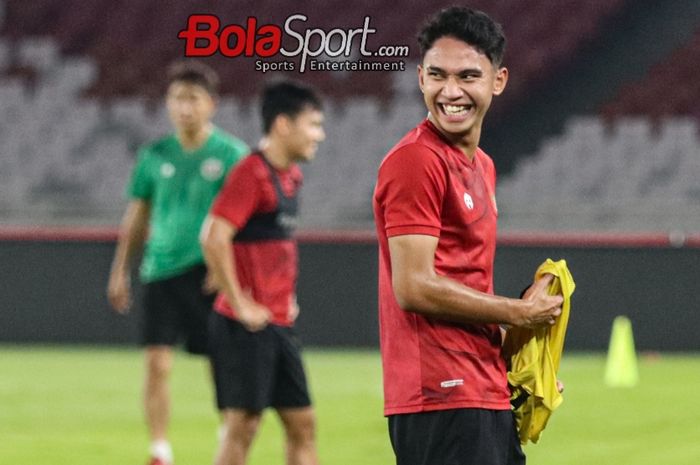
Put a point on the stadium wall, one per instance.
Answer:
(52, 287)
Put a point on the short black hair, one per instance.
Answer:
(194, 72)
(287, 98)
(474, 27)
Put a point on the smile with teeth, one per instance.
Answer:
(455, 110)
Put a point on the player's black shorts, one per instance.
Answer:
(176, 309)
(255, 370)
(456, 437)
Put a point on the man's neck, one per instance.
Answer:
(191, 141)
(277, 154)
(467, 143)
(468, 146)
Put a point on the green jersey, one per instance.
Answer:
(180, 186)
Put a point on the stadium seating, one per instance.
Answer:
(628, 176)
(634, 168)
(79, 95)
(132, 41)
(670, 88)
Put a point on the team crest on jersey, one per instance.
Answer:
(167, 170)
(468, 201)
(212, 169)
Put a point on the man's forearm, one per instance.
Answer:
(443, 298)
(132, 235)
(218, 255)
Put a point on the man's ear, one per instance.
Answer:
(499, 84)
(213, 104)
(420, 77)
(281, 124)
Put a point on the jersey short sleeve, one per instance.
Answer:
(140, 184)
(410, 189)
(235, 149)
(240, 150)
(238, 200)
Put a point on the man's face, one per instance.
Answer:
(304, 133)
(190, 106)
(458, 83)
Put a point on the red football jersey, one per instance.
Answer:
(265, 268)
(428, 186)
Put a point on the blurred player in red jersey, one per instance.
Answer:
(249, 247)
(445, 386)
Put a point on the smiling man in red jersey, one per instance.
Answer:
(445, 387)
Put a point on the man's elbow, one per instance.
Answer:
(408, 296)
(205, 240)
(211, 243)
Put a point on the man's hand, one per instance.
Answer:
(543, 309)
(132, 234)
(293, 309)
(253, 315)
(119, 292)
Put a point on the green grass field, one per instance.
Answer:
(81, 406)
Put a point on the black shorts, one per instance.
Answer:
(176, 309)
(456, 437)
(255, 370)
